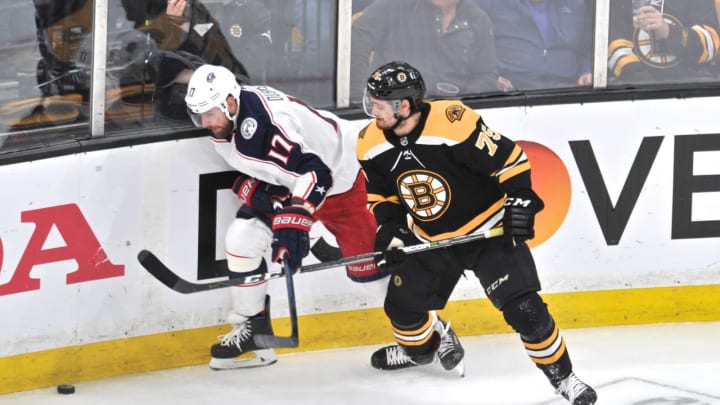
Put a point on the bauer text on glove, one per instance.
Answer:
(291, 226)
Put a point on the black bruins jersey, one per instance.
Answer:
(688, 52)
(451, 174)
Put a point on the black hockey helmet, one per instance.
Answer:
(397, 81)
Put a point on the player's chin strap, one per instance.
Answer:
(413, 110)
(400, 119)
(232, 117)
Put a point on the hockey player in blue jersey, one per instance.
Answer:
(285, 150)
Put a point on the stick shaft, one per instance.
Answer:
(161, 272)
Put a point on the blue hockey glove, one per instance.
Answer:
(258, 195)
(291, 226)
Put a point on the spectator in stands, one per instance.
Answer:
(246, 25)
(450, 41)
(201, 33)
(61, 28)
(674, 41)
(541, 44)
(64, 28)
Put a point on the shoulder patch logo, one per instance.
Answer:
(248, 128)
(454, 112)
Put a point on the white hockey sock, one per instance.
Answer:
(246, 300)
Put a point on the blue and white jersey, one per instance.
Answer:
(282, 141)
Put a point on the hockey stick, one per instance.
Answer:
(325, 252)
(166, 276)
(271, 341)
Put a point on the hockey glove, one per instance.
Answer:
(520, 209)
(258, 195)
(291, 226)
(389, 240)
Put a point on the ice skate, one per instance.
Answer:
(394, 357)
(238, 349)
(450, 352)
(576, 391)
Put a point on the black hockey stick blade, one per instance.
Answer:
(166, 276)
(160, 271)
(271, 341)
(325, 252)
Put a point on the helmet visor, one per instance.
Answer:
(204, 119)
(375, 106)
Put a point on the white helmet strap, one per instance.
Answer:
(226, 109)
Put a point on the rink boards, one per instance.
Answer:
(629, 235)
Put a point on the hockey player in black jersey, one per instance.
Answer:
(434, 170)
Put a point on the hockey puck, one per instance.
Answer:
(66, 389)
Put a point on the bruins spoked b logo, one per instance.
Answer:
(652, 52)
(426, 194)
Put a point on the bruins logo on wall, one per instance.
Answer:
(426, 194)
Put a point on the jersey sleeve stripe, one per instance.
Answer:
(508, 174)
(266, 162)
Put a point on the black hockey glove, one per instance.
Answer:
(388, 240)
(258, 195)
(291, 226)
(520, 209)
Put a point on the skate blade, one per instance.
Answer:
(257, 358)
(404, 367)
(459, 369)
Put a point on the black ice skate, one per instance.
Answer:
(576, 391)
(237, 349)
(450, 353)
(394, 357)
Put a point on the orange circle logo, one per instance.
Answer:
(551, 181)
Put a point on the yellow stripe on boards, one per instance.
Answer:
(350, 328)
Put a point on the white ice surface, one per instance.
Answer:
(663, 364)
